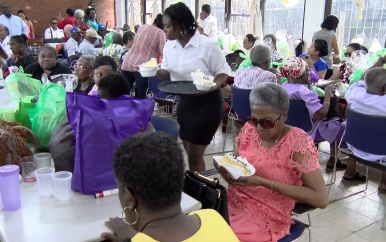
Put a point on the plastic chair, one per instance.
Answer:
(298, 227)
(159, 96)
(166, 125)
(368, 134)
(240, 109)
(298, 116)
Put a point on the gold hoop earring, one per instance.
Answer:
(124, 217)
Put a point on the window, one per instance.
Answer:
(135, 12)
(153, 7)
(279, 17)
(239, 17)
(372, 25)
(218, 10)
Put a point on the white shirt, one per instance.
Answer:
(51, 33)
(15, 25)
(199, 53)
(210, 27)
(86, 48)
(71, 47)
(363, 102)
(6, 47)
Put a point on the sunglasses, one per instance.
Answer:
(264, 123)
(347, 54)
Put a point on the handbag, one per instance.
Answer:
(208, 192)
(99, 126)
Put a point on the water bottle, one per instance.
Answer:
(10, 187)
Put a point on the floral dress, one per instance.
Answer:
(256, 213)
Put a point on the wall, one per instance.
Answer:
(41, 11)
(313, 17)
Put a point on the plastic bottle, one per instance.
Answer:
(10, 187)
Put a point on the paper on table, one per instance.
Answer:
(234, 170)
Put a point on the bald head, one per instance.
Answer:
(376, 81)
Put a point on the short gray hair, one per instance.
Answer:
(375, 80)
(90, 59)
(117, 38)
(79, 13)
(270, 94)
(260, 54)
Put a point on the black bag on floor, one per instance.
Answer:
(208, 192)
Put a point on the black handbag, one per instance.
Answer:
(208, 192)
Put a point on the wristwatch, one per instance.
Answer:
(382, 59)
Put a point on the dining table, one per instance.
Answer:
(80, 218)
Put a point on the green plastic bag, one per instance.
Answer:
(356, 76)
(318, 91)
(21, 85)
(246, 62)
(235, 46)
(21, 114)
(49, 112)
(7, 114)
(108, 39)
(219, 41)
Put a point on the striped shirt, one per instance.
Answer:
(148, 43)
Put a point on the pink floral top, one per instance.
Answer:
(248, 77)
(262, 207)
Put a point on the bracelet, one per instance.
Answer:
(271, 186)
(327, 103)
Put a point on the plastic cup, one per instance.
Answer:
(62, 185)
(28, 167)
(43, 160)
(44, 181)
(233, 67)
(10, 187)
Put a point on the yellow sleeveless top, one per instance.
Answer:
(213, 228)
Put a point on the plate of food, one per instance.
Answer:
(202, 81)
(149, 68)
(236, 166)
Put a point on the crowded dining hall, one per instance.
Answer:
(194, 120)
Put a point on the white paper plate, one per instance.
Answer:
(235, 170)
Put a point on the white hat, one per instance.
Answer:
(92, 34)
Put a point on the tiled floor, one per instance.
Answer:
(357, 218)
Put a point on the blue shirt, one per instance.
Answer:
(15, 25)
(320, 65)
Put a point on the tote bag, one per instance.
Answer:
(99, 126)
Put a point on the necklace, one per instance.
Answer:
(277, 140)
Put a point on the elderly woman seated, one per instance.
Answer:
(84, 70)
(287, 170)
(297, 72)
(367, 97)
(150, 199)
(48, 64)
(248, 77)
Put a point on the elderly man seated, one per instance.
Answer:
(48, 64)
(87, 45)
(53, 32)
(72, 44)
(367, 97)
(115, 48)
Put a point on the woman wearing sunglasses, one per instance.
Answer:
(287, 170)
(345, 71)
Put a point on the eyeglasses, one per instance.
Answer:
(81, 67)
(347, 54)
(264, 123)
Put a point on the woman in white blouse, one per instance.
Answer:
(185, 52)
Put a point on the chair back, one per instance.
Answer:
(158, 95)
(366, 133)
(35, 42)
(166, 125)
(240, 103)
(298, 115)
(296, 231)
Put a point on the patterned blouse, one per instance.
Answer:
(258, 204)
(248, 77)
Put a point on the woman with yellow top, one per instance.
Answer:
(150, 188)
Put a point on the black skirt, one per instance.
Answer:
(200, 116)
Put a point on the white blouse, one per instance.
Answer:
(200, 52)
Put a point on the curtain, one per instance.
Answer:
(255, 25)
(155, 12)
(132, 17)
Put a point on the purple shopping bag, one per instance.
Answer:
(100, 125)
